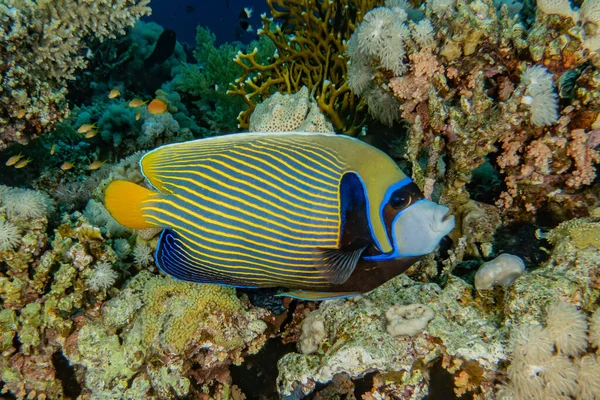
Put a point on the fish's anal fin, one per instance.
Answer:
(317, 296)
(338, 265)
(123, 199)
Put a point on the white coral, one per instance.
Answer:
(408, 320)
(102, 277)
(313, 333)
(122, 248)
(595, 329)
(25, 203)
(423, 33)
(10, 235)
(540, 95)
(142, 255)
(567, 326)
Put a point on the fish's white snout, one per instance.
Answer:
(419, 229)
(442, 220)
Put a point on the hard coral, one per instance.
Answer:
(42, 45)
(309, 52)
(479, 88)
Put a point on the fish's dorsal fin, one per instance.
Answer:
(338, 265)
(178, 155)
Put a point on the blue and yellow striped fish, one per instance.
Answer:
(316, 212)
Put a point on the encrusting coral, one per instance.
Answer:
(41, 44)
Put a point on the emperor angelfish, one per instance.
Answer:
(323, 213)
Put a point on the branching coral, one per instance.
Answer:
(479, 87)
(42, 44)
(310, 50)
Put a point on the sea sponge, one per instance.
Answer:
(502, 270)
(540, 95)
(408, 320)
(10, 235)
(313, 333)
(567, 326)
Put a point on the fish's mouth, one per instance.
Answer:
(443, 221)
(447, 217)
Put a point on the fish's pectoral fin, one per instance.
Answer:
(317, 296)
(338, 264)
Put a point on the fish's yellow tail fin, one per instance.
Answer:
(124, 200)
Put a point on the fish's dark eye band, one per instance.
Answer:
(405, 196)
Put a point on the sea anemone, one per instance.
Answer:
(142, 255)
(588, 382)
(595, 329)
(423, 34)
(102, 277)
(10, 235)
(26, 203)
(122, 248)
(567, 327)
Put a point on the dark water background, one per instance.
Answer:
(214, 14)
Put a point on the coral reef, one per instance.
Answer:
(308, 46)
(41, 46)
(467, 336)
(551, 361)
(73, 306)
(479, 85)
(174, 335)
(292, 112)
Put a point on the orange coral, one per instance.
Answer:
(310, 52)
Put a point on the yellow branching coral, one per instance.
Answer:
(310, 52)
(42, 44)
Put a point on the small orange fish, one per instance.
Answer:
(52, 149)
(138, 115)
(135, 103)
(114, 93)
(95, 165)
(22, 163)
(157, 106)
(86, 127)
(91, 133)
(21, 113)
(13, 160)
(66, 166)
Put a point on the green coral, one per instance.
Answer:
(208, 81)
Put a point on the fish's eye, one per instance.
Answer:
(400, 199)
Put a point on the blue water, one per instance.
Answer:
(222, 21)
